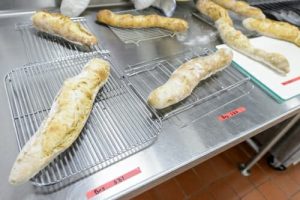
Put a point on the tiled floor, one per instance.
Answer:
(219, 179)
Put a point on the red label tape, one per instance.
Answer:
(231, 113)
(291, 81)
(90, 194)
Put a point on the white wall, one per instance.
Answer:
(39, 4)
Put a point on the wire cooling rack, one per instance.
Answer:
(119, 125)
(288, 11)
(235, 18)
(259, 2)
(135, 36)
(40, 46)
(145, 77)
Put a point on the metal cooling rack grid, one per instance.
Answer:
(288, 11)
(119, 125)
(235, 18)
(147, 76)
(135, 36)
(42, 47)
(259, 2)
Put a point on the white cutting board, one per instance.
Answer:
(284, 87)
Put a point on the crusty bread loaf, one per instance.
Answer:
(67, 117)
(236, 40)
(228, 4)
(241, 8)
(141, 21)
(62, 26)
(275, 29)
(244, 9)
(213, 11)
(184, 79)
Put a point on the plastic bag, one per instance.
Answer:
(167, 6)
(73, 8)
(142, 4)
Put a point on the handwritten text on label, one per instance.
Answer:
(231, 113)
(90, 194)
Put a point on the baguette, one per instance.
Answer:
(244, 9)
(236, 40)
(213, 11)
(225, 3)
(275, 29)
(67, 117)
(62, 26)
(241, 8)
(184, 79)
(141, 21)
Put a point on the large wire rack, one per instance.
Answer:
(119, 125)
(135, 36)
(147, 76)
(40, 46)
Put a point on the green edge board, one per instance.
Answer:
(260, 84)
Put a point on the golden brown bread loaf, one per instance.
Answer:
(225, 3)
(275, 29)
(67, 117)
(241, 8)
(244, 9)
(62, 26)
(213, 11)
(236, 40)
(141, 21)
(185, 78)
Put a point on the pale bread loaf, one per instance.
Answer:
(141, 21)
(67, 117)
(242, 8)
(186, 77)
(225, 3)
(238, 41)
(213, 11)
(62, 26)
(274, 29)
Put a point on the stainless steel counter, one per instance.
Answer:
(176, 149)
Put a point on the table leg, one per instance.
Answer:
(245, 168)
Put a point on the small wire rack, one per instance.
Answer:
(288, 11)
(236, 21)
(145, 77)
(135, 36)
(259, 2)
(119, 125)
(40, 46)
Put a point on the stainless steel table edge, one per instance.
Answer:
(168, 174)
